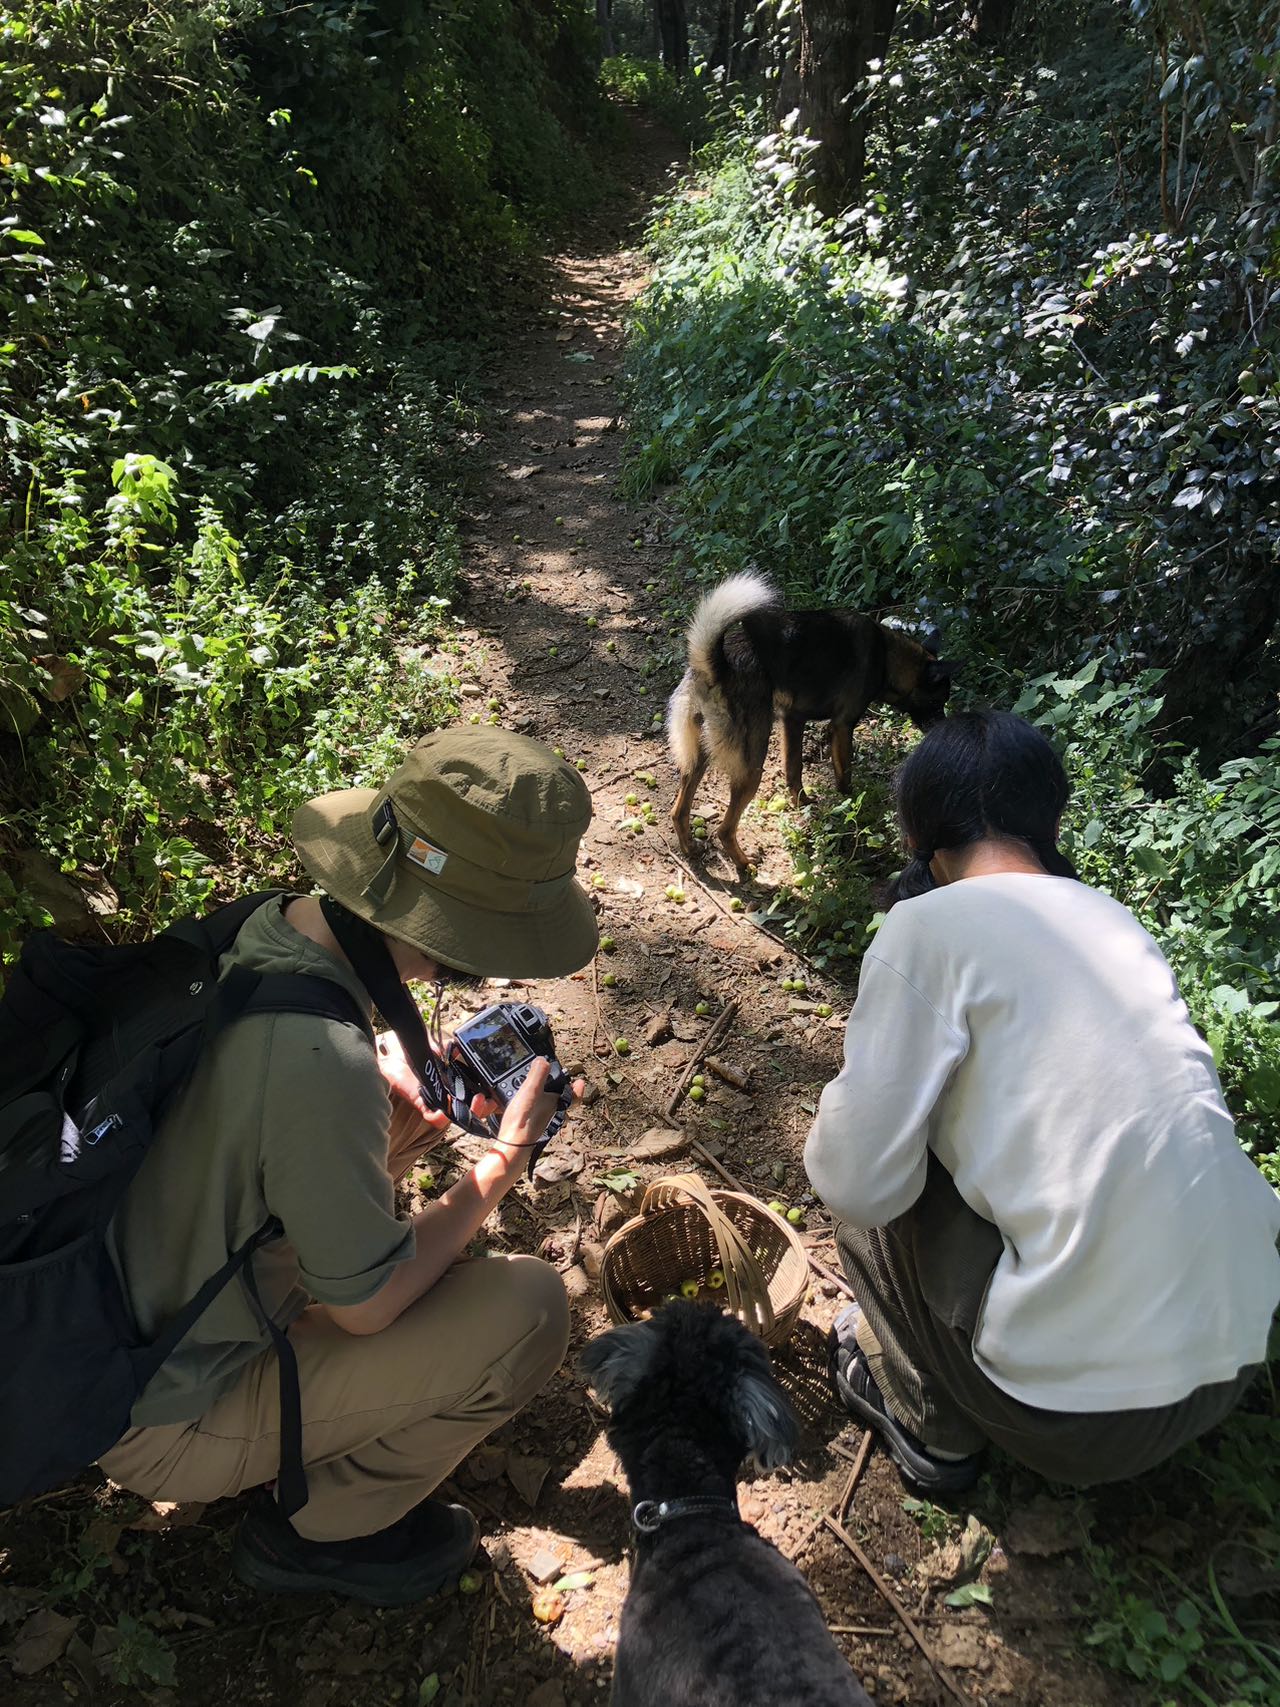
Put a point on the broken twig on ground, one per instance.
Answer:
(913, 1630)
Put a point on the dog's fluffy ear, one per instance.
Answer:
(767, 1421)
(617, 1362)
(939, 670)
(931, 640)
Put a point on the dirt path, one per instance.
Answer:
(572, 642)
(565, 636)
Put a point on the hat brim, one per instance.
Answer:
(332, 837)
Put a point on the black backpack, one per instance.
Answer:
(94, 1044)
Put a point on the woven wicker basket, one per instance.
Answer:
(685, 1232)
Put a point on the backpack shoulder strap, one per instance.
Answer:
(214, 933)
(301, 993)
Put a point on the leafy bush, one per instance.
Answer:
(245, 249)
(1000, 397)
(680, 103)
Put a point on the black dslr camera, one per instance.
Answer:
(490, 1056)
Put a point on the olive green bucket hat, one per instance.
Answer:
(467, 852)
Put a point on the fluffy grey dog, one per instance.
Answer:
(715, 1616)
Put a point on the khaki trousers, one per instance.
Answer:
(385, 1417)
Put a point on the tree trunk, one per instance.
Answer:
(992, 20)
(837, 40)
(721, 56)
(673, 23)
(604, 19)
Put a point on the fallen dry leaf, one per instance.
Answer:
(1045, 1526)
(64, 677)
(526, 1475)
(654, 1145)
(42, 1640)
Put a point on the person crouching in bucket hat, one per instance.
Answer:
(407, 1355)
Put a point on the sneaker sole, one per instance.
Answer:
(269, 1578)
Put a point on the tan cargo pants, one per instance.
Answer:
(385, 1417)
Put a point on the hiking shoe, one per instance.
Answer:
(425, 1552)
(856, 1386)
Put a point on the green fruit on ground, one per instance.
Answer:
(611, 645)
(795, 1215)
(823, 1010)
(609, 980)
(475, 717)
(735, 905)
(698, 1079)
(592, 623)
(582, 764)
(621, 1046)
(607, 944)
(469, 1583)
(778, 1208)
(633, 800)
(558, 751)
(696, 1093)
(701, 1008)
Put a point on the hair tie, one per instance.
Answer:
(925, 854)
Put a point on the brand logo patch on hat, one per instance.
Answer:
(423, 854)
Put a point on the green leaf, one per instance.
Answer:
(575, 1579)
(428, 1689)
(29, 237)
(970, 1594)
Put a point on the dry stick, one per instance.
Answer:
(841, 1506)
(861, 1629)
(718, 1030)
(913, 1630)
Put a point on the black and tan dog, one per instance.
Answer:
(750, 659)
(715, 1616)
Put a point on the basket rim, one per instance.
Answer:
(786, 1310)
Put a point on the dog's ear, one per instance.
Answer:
(767, 1422)
(617, 1362)
(931, 640)
(939, 670)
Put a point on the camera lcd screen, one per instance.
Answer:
(497, 1045)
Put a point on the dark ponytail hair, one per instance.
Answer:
(977, 775)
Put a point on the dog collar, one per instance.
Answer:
(650, 1515)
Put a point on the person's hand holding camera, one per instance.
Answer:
(527, 1116)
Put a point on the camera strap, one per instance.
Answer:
(366, 949)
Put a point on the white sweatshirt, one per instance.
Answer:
(1029, 1032)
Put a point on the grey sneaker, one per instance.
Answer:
(859, 1394)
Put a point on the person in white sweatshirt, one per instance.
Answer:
(1055, 1240)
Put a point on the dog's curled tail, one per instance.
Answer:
(738, 597)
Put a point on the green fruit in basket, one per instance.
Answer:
(716, 1279)
(778, 1208)
(689, 1289)
(795, 1215)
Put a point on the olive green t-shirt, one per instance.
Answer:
(285, 1115)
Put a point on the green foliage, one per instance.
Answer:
(245, 248)
(679, 103)
(140, 1657)
(1002, 398)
